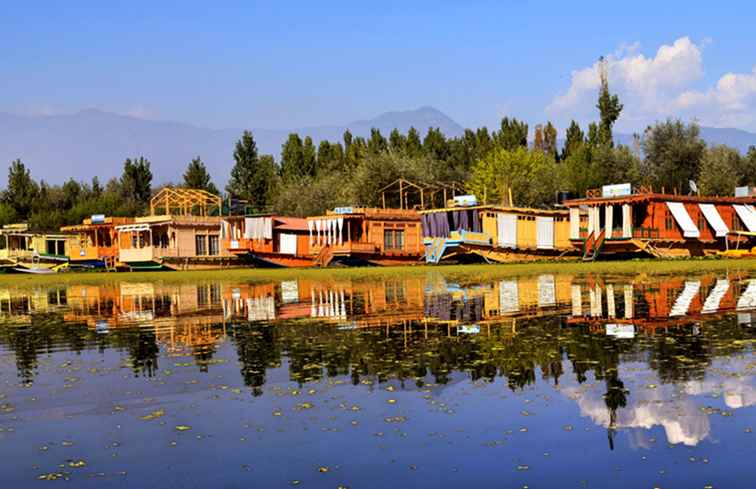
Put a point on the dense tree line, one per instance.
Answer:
(308, 178)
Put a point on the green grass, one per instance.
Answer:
(461, 273)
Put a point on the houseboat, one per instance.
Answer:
(180, 234)
(365, 236)
(621, 222)
(24, 251)
(96, 243)
(469, 232)
(268, 240)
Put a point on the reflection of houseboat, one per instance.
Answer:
(661, 303)
(180, 233)
(350, 235)
(660, 225)
(22, 250)
(269, 240)
(96, 245)
(492, 233)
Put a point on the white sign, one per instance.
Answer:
(343, 210)
(620, 330)
(98, 218)
(618, 190)
(469, 329)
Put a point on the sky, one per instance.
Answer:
(294, 64)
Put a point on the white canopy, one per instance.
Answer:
(747, 215)
(713, 218)
(132, 227)
(683, 219)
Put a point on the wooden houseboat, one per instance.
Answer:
(660, 225)
(372, 236)
(268, 240)
(180, 233)
(495, 233)
(96, 243)
(24, 251)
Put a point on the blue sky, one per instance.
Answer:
(293, 64)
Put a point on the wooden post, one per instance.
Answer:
(401, 194)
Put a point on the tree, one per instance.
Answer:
(252, 177)
(435, 145)
(530, 175)
(377, 143)
(413, 147)
(673, 153)
(396, 140)
(538, 138)
(71, 193)
(512, 135)
(309, 158)
(196, 176)
(22, 190)
(136, 182)
(576, 170)
(573, 138)
(747, 170)
(718, 173)
(550, 140)
(292, 158)
(96, 190)
(609, 108)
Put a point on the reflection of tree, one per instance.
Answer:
(203, 354)
(258, 350)
(615, 398)
(143, 352)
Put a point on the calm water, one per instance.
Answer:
(541, 381)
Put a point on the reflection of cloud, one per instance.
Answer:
(681, 419)
(737, 392)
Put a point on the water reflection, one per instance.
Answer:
(631, 352)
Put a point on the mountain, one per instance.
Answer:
(93, 142)
(735, 138)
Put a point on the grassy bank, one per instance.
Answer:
(462, 273)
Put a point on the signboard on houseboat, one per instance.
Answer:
(617, 190)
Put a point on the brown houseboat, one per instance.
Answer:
(96, 245)
(352, 236)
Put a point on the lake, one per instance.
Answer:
(423, 380)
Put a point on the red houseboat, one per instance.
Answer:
(269, 240)
(660, 225)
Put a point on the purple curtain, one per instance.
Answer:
(464, 222)
(426, 226)
(442, 225)
(476, 227)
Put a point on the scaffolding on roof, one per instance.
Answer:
(178, 201)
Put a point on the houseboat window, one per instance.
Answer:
(669, 221)
(701, 221)
(393, 239)
(388, 238)
(50, 247)
(134, 240)
(3, 242)
(736, 224)
(213, 247)
(200, 243)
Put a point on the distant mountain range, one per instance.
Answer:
(93, 142)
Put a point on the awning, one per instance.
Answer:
(683, 219)
(747, 215)
(133, 227)
(713, 218)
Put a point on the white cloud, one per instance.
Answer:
(140, 112)
(664, 85)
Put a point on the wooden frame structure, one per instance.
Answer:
(427, 193)
(184, 202)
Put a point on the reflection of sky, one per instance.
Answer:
(675, 408)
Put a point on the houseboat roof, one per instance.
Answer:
(371, 213)
(145, 222)
(88, 225)
(499, 208)
(646, 197)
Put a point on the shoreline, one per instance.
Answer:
(481, 271)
